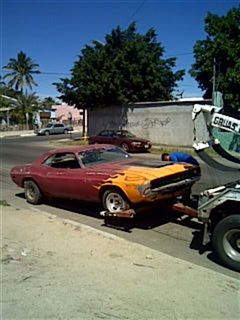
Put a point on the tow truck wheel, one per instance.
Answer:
(226, 241)
(115, 201)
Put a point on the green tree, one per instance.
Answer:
(128, 67)
(21, 72)
(220, 51)
(25, 105)
(48, 102)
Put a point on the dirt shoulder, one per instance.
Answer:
(56, 269)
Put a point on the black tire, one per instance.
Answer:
(125, 147)
(115, 201)
(47, 133)
(65, 131)
(226, 241)
(33, 194)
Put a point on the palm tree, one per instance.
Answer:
(25, 105)
(48, 102)
(21, 71)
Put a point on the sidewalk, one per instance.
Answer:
(58, 269)
(22, 133)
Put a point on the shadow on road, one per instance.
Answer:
(147, 218)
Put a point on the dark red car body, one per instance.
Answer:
(123, 139)
(82, 173)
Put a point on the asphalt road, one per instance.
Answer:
(157, 228)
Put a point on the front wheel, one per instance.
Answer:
(47, 133)
(115, 201)
(226, 241)
(65, 131)
(32, 192)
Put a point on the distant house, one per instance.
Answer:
(65, 113)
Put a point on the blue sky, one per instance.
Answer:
(53, 32)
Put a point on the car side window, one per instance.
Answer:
(104, 133)
(112, 134)
(59, 125)
(63, 161)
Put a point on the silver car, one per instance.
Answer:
(54, 128)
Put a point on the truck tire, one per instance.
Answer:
(226, 241)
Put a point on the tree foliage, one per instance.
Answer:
(21, 72)
(25, 104)
(222, 46)
(48, 102)
(128, 67)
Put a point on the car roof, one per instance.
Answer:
(77, 149)
(73, 150)
(81, 148)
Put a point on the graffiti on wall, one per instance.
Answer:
(155, 122)
(147, 123)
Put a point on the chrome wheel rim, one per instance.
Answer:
(30, 193)
(115, 203)
(231, 244)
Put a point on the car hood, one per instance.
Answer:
(141, 170)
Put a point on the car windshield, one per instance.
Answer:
(49, 125)
(125, 133)
(93, 157)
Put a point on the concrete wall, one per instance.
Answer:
(161, 124)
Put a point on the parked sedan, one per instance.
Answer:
(104, 174)
(121, 138)
(54, 128)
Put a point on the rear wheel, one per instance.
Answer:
(226, 241)
(125, 146)
(115, 201)
(32, 192)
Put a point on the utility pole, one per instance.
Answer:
(214, 79)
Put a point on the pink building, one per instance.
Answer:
(65, 113)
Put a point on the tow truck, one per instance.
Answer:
(218, 208)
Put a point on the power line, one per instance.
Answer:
(69, 74)
(55, 73)
(178, 54)
(47, 73)
(136, 11)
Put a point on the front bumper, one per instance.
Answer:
(170, 190)
(140, 147)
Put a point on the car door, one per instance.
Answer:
(103, 137)
(64, 177)
(109, 137)
(58, 128)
